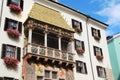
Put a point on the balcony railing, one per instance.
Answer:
(48, 52)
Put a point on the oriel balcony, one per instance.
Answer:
(48, 52)
(49, 46)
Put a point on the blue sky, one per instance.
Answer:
(107, 11)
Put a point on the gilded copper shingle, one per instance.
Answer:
(50, 16)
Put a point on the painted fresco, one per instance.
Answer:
(39, 70)
(69, 75)
(30, 72)
(62, 73)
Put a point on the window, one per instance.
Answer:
(11, 51)
(12, 24)
(97, 51)
(96, 33)
(16, 2)
(77, 25)
(39, 78)
(54, 75)
(79, 46)
(50, 75)
(81, 67)
(47, 74)
(101, 72)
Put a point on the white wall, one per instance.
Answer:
(68, 15)
(4, 38)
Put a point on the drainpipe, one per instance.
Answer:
(89, 47)
(1, 12)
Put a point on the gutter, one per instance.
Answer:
(89, 47)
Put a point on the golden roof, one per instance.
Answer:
(50, 16)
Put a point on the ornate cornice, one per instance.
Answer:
(31, 24)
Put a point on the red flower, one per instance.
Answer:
(99, 57)
(11, 62)
(15, 8)
(79, 50)
(13, 32)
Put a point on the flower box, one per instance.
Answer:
(78, 30)
(99, 57)
(80, 50)
(13, 33)
(15, 8)
(11, 62)
(97, 37)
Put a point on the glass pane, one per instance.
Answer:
(47, 74)
(12, 25)
(54, 75)
(15, 2)
(10, 51)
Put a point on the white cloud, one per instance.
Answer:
(111, 10)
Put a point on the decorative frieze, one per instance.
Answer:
(48, 28)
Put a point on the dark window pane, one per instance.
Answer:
(54, 75)
(39, 78)
(47, 74)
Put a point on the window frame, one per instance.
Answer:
(97, 51)
(78, 67)
(79, 46)
(10, 52)
(18, 24)
(95, 32)
(17, 54)
(20, 3)
(76, 24)
(101, 72)
(51, 74)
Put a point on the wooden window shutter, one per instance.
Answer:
(21, 4)
(6, 24)
(83, 46)
(80, 25)
(20, 27)
(98, 71)
(85, 68)
(75, 44)
(94, 49)
(101, 51)
(77, 67)
(105, 72)
(99, 33)
(92, 29)
(73, 23)
(3, 51)
(18, 53)
(8, 2)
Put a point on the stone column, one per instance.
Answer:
(30, 36)
(29, 39)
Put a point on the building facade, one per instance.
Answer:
(45, 40)
(113, 46)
